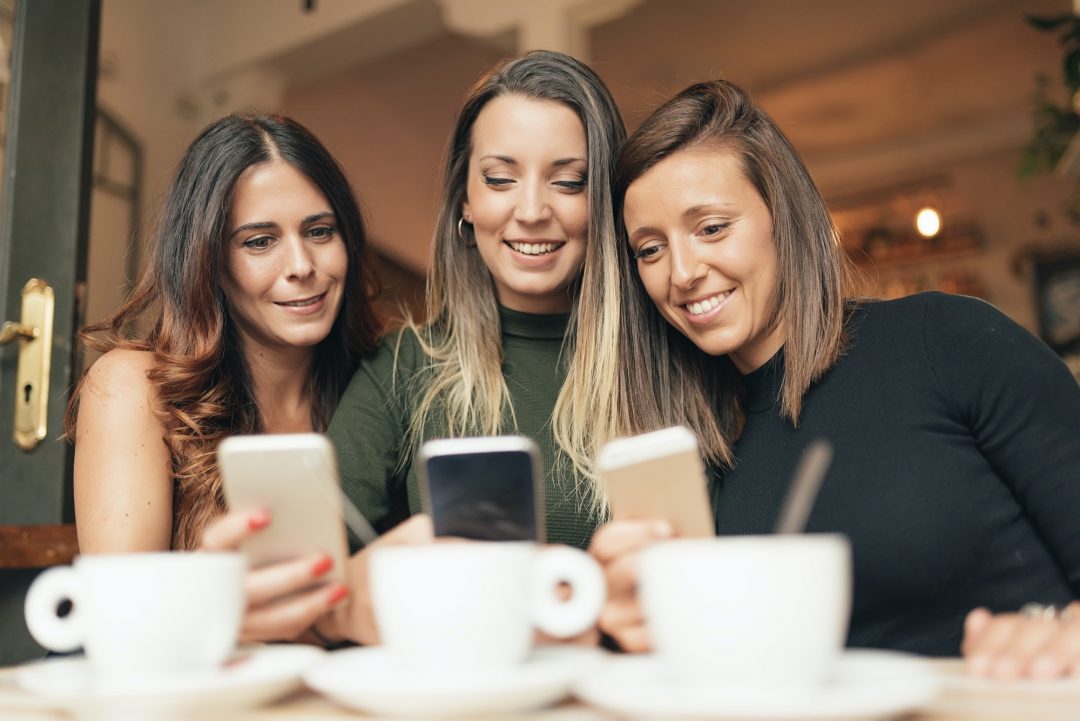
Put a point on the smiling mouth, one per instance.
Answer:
(301, 303)
(700, 307)
(543, 248)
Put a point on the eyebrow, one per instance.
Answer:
(265, 224)
(511, 161)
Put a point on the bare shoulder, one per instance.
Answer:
(123, 476)
(120, 372)
(116, 391)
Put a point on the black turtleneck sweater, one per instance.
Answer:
(955, 474)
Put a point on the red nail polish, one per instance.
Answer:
(321, 566)
(337, 595)
(258, 519)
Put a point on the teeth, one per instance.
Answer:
(706, 305)
(302, 303)
(534, 248)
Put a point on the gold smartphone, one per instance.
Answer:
(658, 475)
(295, 478)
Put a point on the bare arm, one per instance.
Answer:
(123, 480)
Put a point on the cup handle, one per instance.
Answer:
(42, 600)
(562, 564)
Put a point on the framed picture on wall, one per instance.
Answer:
(1057, 299)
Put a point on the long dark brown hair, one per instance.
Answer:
(677, 382)
(202, 381)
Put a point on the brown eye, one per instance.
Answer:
(322, 232)
(647, 253)
(262, 242)
(714, 229)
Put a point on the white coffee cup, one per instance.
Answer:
(748, 610)
(142, 613)
(463, 606)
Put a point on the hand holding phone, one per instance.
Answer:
(294, 478)
(487, 489)
(658, 475)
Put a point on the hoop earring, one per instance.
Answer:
(461, 234)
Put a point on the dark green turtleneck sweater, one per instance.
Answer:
(370, 425)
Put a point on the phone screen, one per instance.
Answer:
(488, 495)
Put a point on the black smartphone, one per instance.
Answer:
(487, 489)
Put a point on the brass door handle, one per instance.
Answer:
(12, 330)
(34, 333)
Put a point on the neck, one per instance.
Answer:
(279, 378)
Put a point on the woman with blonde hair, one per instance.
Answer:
(251, 317)
(522, 303)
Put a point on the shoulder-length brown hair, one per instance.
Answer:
(681, 384)
(200, 376)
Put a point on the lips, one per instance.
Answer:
(704, 305)
(301, 302)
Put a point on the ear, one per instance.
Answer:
(466, 212)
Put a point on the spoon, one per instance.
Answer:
(804, 487)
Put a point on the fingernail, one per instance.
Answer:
(258, 519)
(337, 595)
(1046, 667)
(663, 529)
(321, 566)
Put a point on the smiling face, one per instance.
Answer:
(706, 256)
(527, 200)
(285, 261)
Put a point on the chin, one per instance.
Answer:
(308, 340)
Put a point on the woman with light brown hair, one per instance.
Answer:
(956, 469)
(250, 317)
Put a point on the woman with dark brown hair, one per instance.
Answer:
(250, 317)
(956, 471)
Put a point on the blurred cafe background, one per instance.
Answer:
(944, 134)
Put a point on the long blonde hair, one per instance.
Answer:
(462, 336)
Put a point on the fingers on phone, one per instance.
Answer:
(619, 538)
(289, 618)
(266, 584)
(227, 532)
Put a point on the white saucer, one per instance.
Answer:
(367, 679)
(253, 676)
(866, 685)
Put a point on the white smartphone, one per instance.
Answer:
(294, 477)
(658, 475)
(488, 489)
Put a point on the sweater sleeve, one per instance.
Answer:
(1023, 408)
(368, 429)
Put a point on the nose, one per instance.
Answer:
(687, 267)
(533, 206)
(298, 263)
